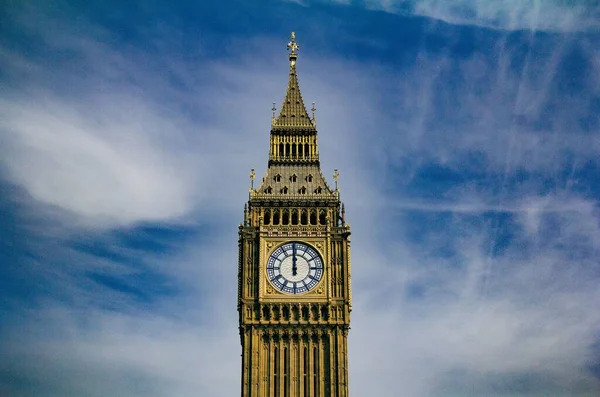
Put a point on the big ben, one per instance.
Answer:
(294, 291)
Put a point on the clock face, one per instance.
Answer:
(295, 268)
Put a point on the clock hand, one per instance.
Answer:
(294, 259)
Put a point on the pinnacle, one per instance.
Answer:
(293, 113)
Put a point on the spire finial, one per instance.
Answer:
(273, 109)
(252, 176)
(336, 176)
(292, 48)
(314, 120)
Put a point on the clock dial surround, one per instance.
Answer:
(295, 268)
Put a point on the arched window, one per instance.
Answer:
(269, 190)
(284, 190)
(304, 218)
(294, 216)
(324, 313)
(302, 190)
(285, 218)
(267, 217)
(322, 218)
(293, 150)
(276, 217)
(318, 190)
(277, 178)
(309, 178)
(293, 178)
(300, 146)
(281, 150)
(287, 150)
(304, 313)
(315, 312)
(286, 313)
(313, 217)
(306, 150)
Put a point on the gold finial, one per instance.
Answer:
(273, 109)
(293, 47)
(252, 176)
(336, 176)
(314, 120)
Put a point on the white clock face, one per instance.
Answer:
(295, 268)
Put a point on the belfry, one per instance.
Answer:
(294, 290)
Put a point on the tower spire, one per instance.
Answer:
(293, 113)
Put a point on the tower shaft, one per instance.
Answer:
(294, 290)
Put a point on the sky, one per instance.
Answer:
(466, 137)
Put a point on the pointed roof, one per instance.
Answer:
(293, 113)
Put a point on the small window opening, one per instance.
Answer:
(304, 218)
(304, 313)
(324, 313)
(285, 219)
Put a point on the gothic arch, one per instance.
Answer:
(285, 217)
(313, 217)
(322, 217)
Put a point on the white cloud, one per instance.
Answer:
(426, 310)
(552, 16)
(481, 319)
(96, 161)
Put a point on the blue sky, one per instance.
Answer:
(466, 135)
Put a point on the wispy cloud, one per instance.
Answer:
(536, 15)
(475, 232)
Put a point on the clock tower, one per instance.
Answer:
(294, 286)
